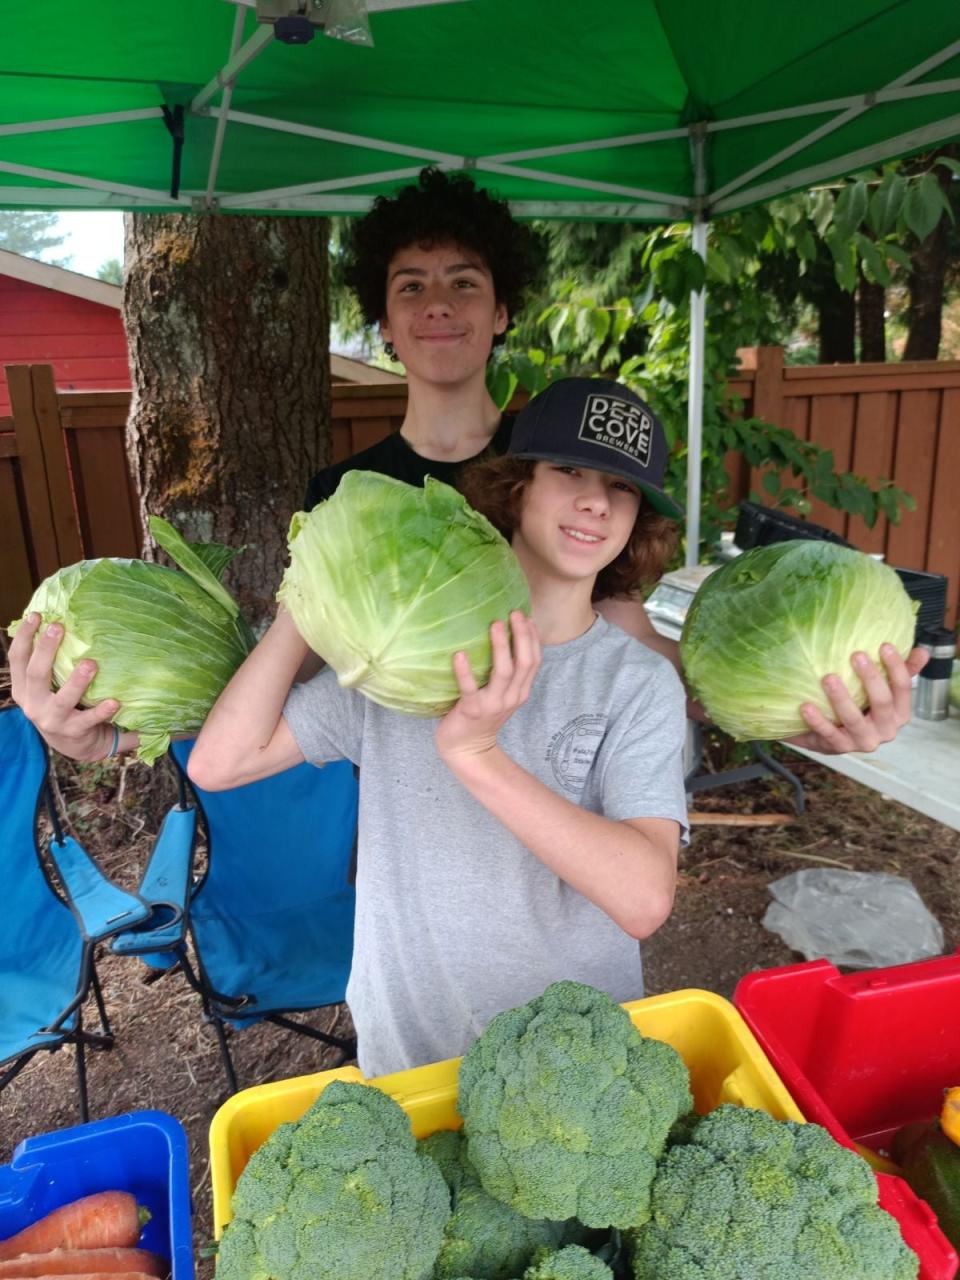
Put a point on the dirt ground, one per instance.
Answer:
(166, 1057)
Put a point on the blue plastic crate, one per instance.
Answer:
(143, 1152)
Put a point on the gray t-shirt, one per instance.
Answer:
(456, 919)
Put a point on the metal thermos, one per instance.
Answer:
(932, 698)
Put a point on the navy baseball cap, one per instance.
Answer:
(602, 425)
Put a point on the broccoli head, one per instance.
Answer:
(567, 1107)
(343, 1194)
(484, 1238)
(571, 1263)
(742, 1196)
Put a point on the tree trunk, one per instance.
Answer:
(837, 311)
(927, 272)
(871, 300)
(227, 323)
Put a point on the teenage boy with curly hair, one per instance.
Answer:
(531, 834)
(441, 267)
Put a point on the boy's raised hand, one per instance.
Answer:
(80, 733)
(470, 727)
(888, 705)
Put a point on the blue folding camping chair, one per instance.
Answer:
(271, 917)
(56, 904)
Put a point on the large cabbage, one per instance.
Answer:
(387, 581)
(166, 641)
(764, 630)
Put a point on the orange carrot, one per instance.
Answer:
(107, 1220)
(73, 1262)
(95, 1275)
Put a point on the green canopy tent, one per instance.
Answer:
(643, 110)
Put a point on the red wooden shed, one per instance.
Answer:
(49, 315)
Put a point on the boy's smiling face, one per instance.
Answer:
(573, 521)
(441, 312)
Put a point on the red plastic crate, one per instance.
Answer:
(863, 1054)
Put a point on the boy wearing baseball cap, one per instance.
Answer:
(531, 834)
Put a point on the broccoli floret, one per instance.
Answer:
(571, 1263)
(484, 1238)
(567, 1108)
(747, 1197)
(343, 1194)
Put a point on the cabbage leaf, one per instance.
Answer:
(766, 627)
(165, 641)
(387, 581)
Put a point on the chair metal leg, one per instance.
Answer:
(101, 1007)
(224, 1052)
(15, 1070)
(211, 1016)
(82, 1075)
(347, 1045)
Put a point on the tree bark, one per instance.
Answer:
(927, 273)
(227, 323)
(837, 311)
(871, 300)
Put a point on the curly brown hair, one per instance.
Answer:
(442, 208)
(494, 487)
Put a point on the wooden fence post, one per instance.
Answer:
(767, 396)
(54, 528)
(768, 385)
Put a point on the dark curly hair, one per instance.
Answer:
(494, 487)
(441, 208)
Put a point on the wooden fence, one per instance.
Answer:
(900, 422)
(65, 491)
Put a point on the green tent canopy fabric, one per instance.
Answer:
(636, 109)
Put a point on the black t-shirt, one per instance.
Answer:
(392, 456)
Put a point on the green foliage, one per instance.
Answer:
(343, 1194)
(111, 270)
(754, 1198)
(566, 1107)
(483, 1238)
(632, 323)
(31, 234)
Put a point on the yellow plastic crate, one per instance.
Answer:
(725, 1062)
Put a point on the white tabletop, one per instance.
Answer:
(920, 768)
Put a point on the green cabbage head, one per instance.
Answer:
(166, 641)
(387, 581)
(765, 628)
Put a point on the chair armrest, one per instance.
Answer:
(101, 907)
(164, 887)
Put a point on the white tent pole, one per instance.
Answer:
(235, 41)
(698, 326)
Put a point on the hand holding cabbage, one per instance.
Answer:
(387, 581)
(765, 629)
(166, 640)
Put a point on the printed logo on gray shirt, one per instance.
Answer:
(572, 750)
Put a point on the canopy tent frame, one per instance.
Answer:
(797, 164)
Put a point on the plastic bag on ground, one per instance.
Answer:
(861, 919)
